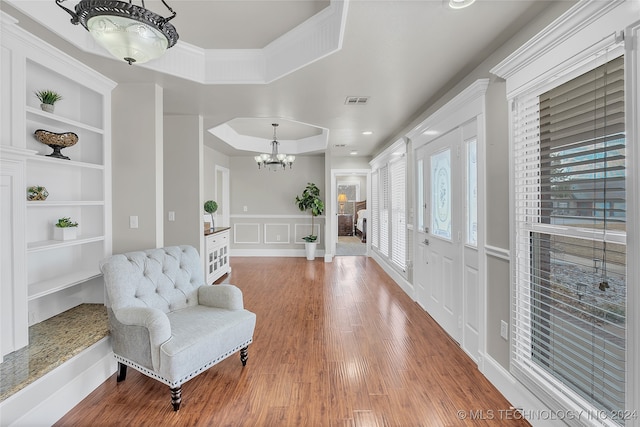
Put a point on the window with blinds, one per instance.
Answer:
(569, 325)
(372, 230)
(383, 213)
(398, 171)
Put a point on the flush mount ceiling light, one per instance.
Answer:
(128, 32)
(460, 4)
(275, 160)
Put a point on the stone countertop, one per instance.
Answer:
(51, 343)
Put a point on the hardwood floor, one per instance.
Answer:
(336, 344)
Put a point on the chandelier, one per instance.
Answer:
(275, 160)
(128, 32)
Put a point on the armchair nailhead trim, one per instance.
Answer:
(186, 378)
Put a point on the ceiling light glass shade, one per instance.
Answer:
(128, 39)
(290, 159)
(129, 32)
(460, 4)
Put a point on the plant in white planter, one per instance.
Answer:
(211, 207)
(47, 99)
(65, 229)
(310, 201)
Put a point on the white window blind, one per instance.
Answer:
(569, 324)
(398, 171)
(383, 246)
(372, 232)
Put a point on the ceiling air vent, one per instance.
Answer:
(356, 100)
(340, 145)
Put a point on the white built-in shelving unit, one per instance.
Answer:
(56, 273)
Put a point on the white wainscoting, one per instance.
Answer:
(245, 230)
(277, 230)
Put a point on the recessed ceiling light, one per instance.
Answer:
(353, 153)
(460, 4)
(430, 132)
(367, 132)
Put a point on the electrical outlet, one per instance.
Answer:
(504, 329)
(133, 221)
(277, 237)
(245, 208)
(172, 216)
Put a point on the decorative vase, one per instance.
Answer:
(64, 233)
(57, 141)
(47, 107)
(37, 192)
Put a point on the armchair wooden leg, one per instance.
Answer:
(176, 397)
(122, 372)
(244, 355)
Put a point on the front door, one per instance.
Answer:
(438, 257)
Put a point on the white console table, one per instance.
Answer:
(217, 254)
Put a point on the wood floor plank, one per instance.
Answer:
(336, 344)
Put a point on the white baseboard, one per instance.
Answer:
(404, 284)
(49, 398)
(274, 253)
(516, 393)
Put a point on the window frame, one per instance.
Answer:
(522, 368)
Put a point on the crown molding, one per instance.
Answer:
(579, 17)
(454, 111)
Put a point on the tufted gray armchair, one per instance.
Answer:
(166, 322)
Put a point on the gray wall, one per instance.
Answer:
(497, 215)
(272, 193)
(270, 201)
(183, 178)
(137, 153)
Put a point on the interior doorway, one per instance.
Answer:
(349, 191)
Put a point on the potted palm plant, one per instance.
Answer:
(310, 201)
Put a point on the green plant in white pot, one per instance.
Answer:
(211, 207)
(47, 99)
(310, 201)
(65, 229)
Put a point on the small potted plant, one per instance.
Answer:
(310, 201)
(47, 99)
(211, 207)
(65, 229)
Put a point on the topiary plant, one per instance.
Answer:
(210, 207)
